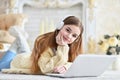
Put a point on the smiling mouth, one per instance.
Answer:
(65, 39)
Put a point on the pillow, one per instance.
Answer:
(5, 37)
(3, 48)
(16, 30)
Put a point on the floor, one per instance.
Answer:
(107, 75)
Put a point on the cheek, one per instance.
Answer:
(62, 32)
(73, 40)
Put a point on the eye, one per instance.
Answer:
(74, 35)
(68, 30)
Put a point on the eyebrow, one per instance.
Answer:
(71, 30)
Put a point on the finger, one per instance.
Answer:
(61, 70)
(58, 38)
(56, 69)
(62, 41)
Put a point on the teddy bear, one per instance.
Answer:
(9, 20)
(5, 37)
(6, 22)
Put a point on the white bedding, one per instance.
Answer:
(107, 75)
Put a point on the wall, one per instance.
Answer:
(107, 17)
(42, 20)
(103, 18)
(3, 6)
(44, 14)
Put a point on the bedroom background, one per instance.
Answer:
(99, 17)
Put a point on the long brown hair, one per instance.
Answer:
(48, 40)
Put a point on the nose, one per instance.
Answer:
(69, 36)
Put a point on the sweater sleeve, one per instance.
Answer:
(48, 61)
(67, 65)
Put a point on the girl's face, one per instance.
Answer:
(67, 34)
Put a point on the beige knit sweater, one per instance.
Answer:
(48, 60)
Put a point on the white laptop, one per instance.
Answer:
(88, 66)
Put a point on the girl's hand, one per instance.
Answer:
(60, 69)
(59, 40)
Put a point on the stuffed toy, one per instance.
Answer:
(9, 24)
(1, 46)
(9, 20)
(5, 37)
(19, 46)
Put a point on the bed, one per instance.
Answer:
(107, 75)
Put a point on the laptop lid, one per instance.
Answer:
(88, 66)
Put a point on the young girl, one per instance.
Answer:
(53, 52)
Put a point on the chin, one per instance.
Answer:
(69, 43)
